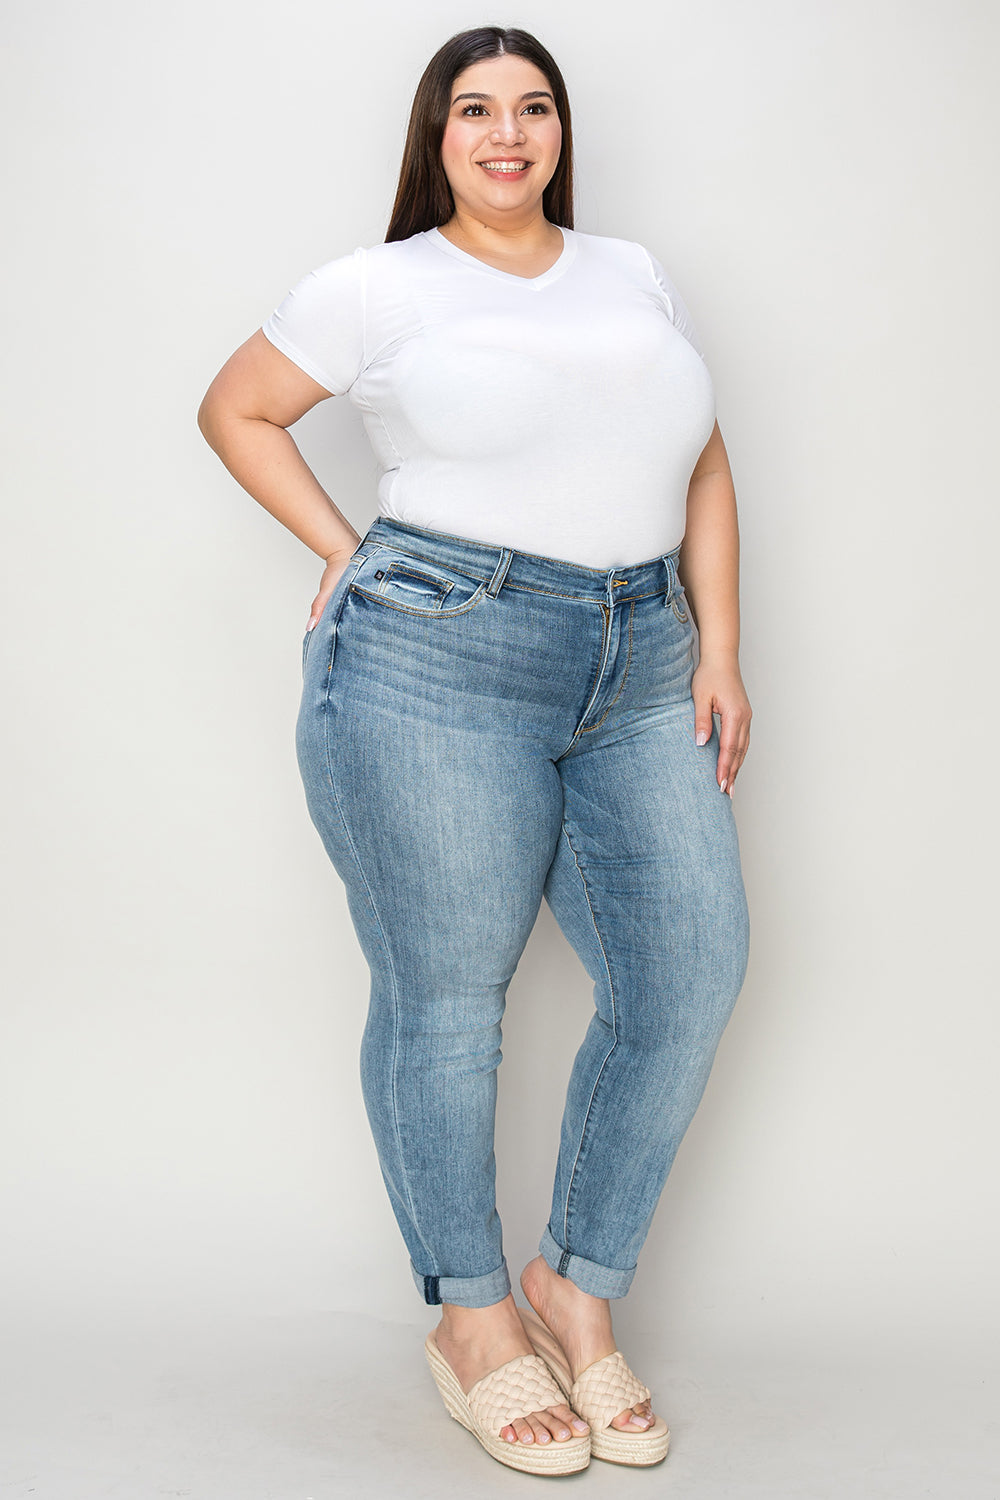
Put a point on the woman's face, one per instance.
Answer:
(501, 147)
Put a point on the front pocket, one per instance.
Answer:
(416, 586)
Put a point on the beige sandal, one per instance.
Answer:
(599, 1393)
(522, 1385)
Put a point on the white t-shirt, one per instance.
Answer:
(559, 414)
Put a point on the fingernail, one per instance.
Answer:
(730, 791)
(725, 782)
(701, 738)
(311, 624)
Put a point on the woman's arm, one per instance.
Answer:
(256, 395)
(709, 569)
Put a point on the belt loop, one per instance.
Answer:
(500, 572)
(671, 567)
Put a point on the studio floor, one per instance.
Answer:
(333, 1405)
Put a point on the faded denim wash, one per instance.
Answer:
(480, 728)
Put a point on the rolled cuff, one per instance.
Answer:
(588, 1275)
(464, 1291)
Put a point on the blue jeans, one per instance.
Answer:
(480, 728)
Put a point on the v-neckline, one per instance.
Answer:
(534, 283)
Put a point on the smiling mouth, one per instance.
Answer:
(505, 168)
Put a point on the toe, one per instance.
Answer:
(556, 1419)
(633, 1419)
(539, 1427)
(567, 1421)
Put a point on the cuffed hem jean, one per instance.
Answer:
(481, 728)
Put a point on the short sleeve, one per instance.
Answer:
(676, 309)
(320, 325)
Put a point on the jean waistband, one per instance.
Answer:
(498, 565)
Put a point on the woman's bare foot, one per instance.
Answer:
(476, 1340)
(582, 1324)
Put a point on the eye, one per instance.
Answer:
(468, 108)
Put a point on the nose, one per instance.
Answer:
(507, 129)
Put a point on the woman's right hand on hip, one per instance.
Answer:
(335, 565)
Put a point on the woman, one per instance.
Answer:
(500, 702)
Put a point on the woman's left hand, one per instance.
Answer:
(717, 687)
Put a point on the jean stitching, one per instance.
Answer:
(628, 657)
(379, 530)
(605, 643)
(583, 599)
(388, 954)
(524, 588)
(671, 565)
(424, 614)
(419, 557)
(651, 595)
(614, 1028)
(500, 572)
(443, 585)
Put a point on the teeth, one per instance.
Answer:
(499, 166)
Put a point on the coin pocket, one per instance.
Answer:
(417, 586)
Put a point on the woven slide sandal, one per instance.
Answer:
(514, 1389)
(598, 1394)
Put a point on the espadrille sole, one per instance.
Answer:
(599, 1393)
(521, 1385)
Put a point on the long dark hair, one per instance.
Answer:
(423, 196)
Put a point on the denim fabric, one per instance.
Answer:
(480, 728)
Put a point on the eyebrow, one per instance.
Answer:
(534, 94)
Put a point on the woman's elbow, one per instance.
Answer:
(210, 416)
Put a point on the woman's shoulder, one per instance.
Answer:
(345, 265)
(614, 250)
(633, 260)
(610, 244)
